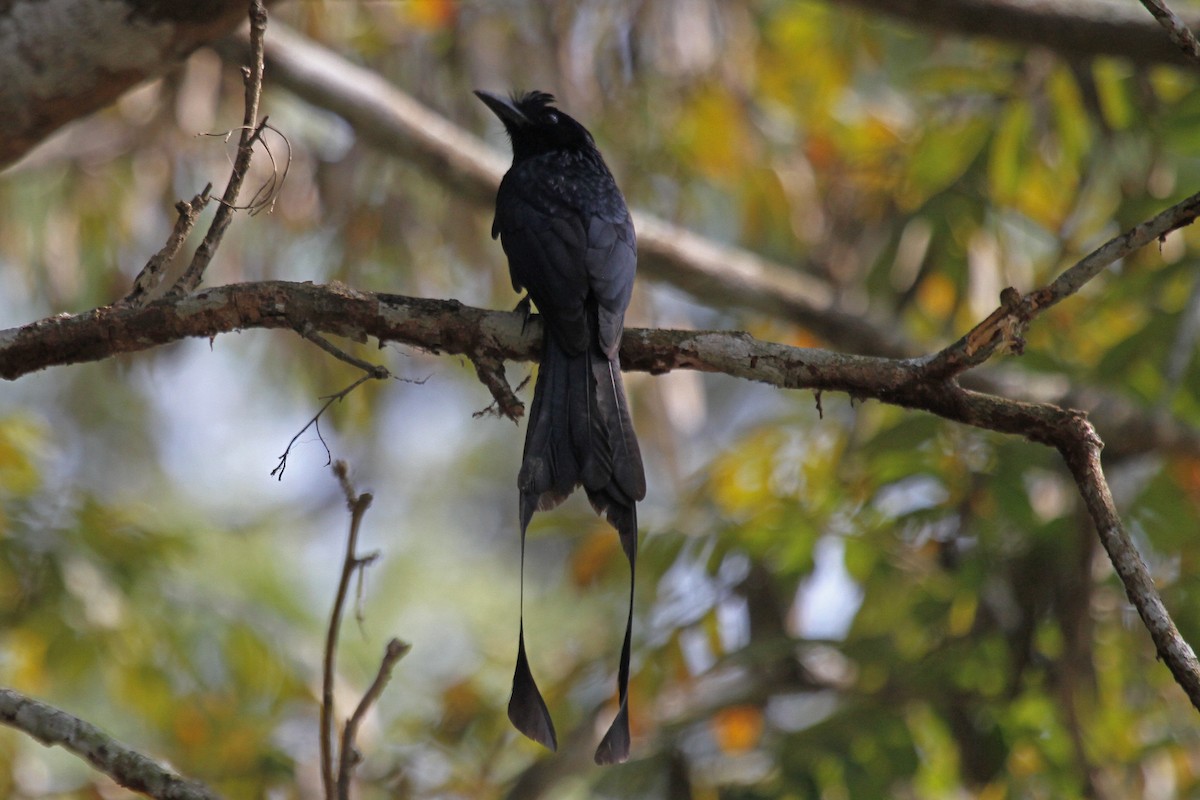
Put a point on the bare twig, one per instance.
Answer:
(337, 783)
(349, 757)
(1003, 327)
(373, 371)
(1176, 28)
(370, 372)
(1080, 448)
(250, 132)
(315, 422)
(1178, 216)
(357, 505)
(148, 279)
(127, 767)
(505, 401)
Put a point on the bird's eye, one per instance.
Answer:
(552, 118)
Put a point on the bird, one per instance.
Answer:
(571, 247)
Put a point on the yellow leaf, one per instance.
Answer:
(432, 14)
(738, 728)
(937, 296)
(962, 614)
(1025, 760)
(191, 727)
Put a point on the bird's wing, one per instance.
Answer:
(544, 258)
(611, 261)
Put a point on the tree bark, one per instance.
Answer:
(63, 59)
(1079, 28)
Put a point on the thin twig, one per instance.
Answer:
(1080, 448)
(357, 505)
(1178, 216)
(349, 756)
(127, 767)
(250, 132)
(281, 467)
(1003, 327)
(1176, 28)
(374, 371)
(370, 372)
(505, 402)
(148, 279)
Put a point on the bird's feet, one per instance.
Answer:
(525, 306)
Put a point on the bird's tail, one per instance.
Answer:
(580, 434)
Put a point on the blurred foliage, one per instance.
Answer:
(865, 602)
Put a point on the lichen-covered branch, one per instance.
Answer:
(1177, 30)
(127, 767)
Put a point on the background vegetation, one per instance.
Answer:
(836, 599)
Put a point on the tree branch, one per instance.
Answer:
(1176, 28)
(723, 277)
(717, 275)
(1080, 448)
(349, 756)
(251, 130)
(63, 60)
(447, 326)
(127, 767)
(151, 275)
(357, 504)
(1077, 28)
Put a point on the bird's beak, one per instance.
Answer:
(503, 108)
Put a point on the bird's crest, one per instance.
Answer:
(533, 102)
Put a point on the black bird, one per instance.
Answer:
(571, 246)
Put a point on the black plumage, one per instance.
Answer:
(570, 244)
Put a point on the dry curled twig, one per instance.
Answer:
(251, 130)
(267, 194)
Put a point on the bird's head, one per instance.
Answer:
(535, 126)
